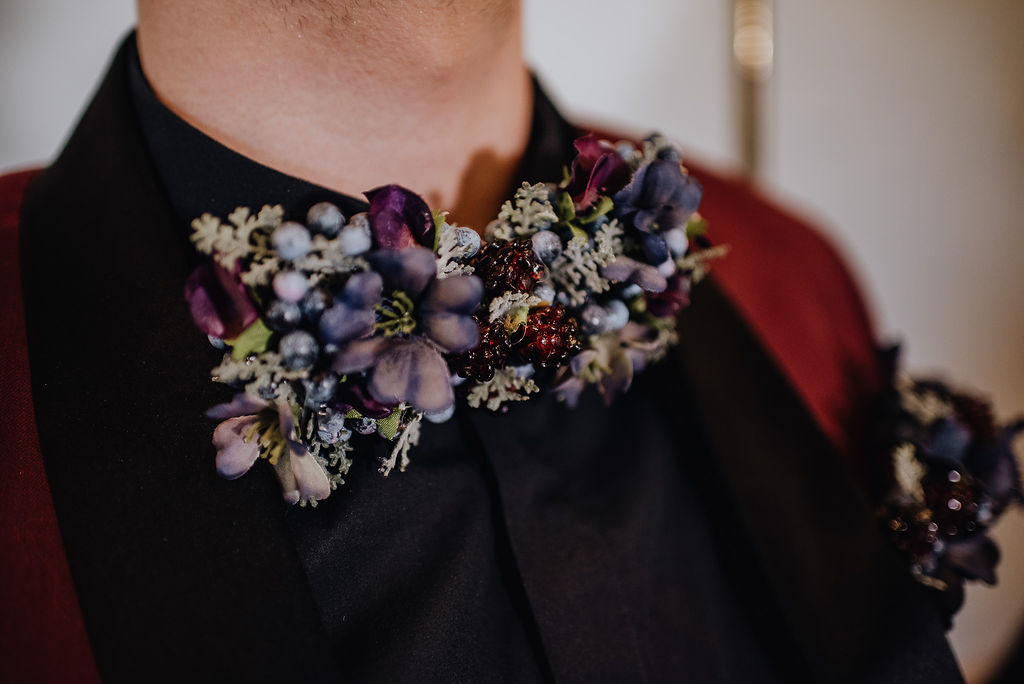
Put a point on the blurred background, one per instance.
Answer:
(897, 125)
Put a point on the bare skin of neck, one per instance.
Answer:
(353, 94)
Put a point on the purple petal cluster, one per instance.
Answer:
(410, 368)
(658, 198)
(597, 169)
(218, 302)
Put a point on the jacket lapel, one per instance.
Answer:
(180, 575)
(849, 602)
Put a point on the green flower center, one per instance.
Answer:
(394, 315)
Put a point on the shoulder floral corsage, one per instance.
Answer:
(374, 322)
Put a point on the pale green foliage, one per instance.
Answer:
(578, 269)
(450, 254)
(506, 385)
(246, 235)
(527, 212)
(407, 439)
(697, 264)
(510, 303)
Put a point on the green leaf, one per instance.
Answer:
(438, 223)
(603, 206)
(578, 232)
(566, 209)
(388, 427)
(696, 227)
(253, 340)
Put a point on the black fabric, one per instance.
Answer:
(701, 530)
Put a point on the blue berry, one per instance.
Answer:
(314, 303)
(547, 245)
(442, 416)
(364, 426)
(467, 237)
(283, 315)
(356, 237)
(319, 389)
(330, 427)
(291, 240)
(594, 319)
(618, 315)
(299, 350)
(290, 285)
(676, 240)
(545, 292)
(325, 218)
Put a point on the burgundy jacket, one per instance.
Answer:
(793, 298)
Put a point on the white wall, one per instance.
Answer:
(898, 123)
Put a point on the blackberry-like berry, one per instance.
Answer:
(509, 265)
(480, 362)
(549, 338)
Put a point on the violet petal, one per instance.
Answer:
(234, 455)
(412, 371)
(400, 218)
(454, 332)
(342, 323)
(455, 294)
(410, 269)
(363, 290)
(240, 405)
(359, 355)
(218, 302)
(626, 270)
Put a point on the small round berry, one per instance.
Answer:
(545, 293)
(299, 350)
(467, 237)
(547, 246)
(217, 342)
(618, 315)
(314, 303)
(290, 285)
(291, 240)
(631, 291)
(283, 315)
(594, 318)
(355, 238)
(655, 248)
(667, 268)
(677, 241)
(330, 427)
(319, 389)
(325, 218)
(364, 426)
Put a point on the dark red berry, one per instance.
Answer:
(549, 338)
(508, 266)
(480, 362)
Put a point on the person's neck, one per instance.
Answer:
(430, 94)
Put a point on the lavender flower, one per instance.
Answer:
(660, 197)
(417, 320)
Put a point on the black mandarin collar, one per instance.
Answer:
(200, 175)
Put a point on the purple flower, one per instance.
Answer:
(418, 320)
(610, 364)
(400, 218)
(660, 197)
(252, 425)
(598, 168)
(218, 302)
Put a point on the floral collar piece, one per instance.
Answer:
(376, 322)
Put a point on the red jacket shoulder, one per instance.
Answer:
(800, 298)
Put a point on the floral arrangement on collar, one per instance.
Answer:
(373, 323)
(951, 474)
